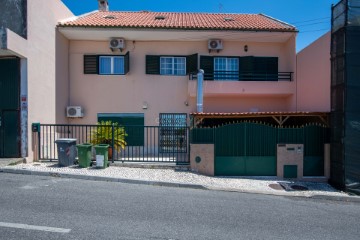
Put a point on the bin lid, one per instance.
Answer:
(66, 140)
(102, 146)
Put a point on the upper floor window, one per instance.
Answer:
(111, 65)
(107, 64)
(226, 68)
(248, 68)
(173, 66)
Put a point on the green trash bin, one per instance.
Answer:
(84, 154)
(102, 155)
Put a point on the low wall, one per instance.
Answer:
(202, 158)
(290, 155)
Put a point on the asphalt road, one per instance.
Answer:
(33, 207)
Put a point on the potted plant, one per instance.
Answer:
(103, 134)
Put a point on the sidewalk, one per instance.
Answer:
(169, 176)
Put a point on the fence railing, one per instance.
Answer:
(143, 143)
(244, 76)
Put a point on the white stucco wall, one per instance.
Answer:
(43, 17)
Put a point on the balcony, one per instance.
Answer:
(223, 83)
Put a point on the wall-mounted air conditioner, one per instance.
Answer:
(215, 44)
(117, 43)
(74, 112)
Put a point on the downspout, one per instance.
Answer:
(200, 91)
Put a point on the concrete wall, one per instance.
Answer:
(121, 94)
(314, 76)
(205, 154)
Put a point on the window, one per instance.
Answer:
(173, 66)
(107, 64)
(111, 65)
(226, 68)
(248, 68)
(173, 132)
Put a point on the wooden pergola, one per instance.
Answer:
(279, 117)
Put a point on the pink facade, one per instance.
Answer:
(313, 74)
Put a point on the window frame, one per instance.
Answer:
(173, 65)
(219, 77)
(112, 64)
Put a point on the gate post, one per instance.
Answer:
(112, 141)
(35, 129)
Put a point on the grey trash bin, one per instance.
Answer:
(66, 148)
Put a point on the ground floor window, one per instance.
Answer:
(173, 132)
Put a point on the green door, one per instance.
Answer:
(245, 149)
(9, 107)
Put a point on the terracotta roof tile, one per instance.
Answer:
(171, 20)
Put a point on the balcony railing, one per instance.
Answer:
(244, 76)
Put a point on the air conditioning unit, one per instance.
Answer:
(74, 112)
(215, 44)
(117, 43)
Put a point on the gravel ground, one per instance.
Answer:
(246, 184)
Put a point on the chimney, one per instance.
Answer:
(103, 5)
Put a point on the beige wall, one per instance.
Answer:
(206, 152)
(313, 73)
(290, 154)
(39, 60)
(117, 94)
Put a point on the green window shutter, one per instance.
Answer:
(152, 64)
(272, 68)
(91, 64)
(246, 68)
(127, 63)
(272, 65)
(192, 63)
(207, 64)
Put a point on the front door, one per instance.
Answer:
(9, 107)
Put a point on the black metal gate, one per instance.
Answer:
(144, 143)
(9, 107)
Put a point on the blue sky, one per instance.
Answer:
(311, 17)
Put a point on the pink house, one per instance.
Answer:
(141, 68)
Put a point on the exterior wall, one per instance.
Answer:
(313, 73)
(128, 93)
(287, 157)
(43, 17)
(62, 78)
(206, 152)
(38, 60)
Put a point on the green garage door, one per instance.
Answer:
(9, 107)
(133, 124)
(245, 149)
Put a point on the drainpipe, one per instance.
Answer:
(200, 91)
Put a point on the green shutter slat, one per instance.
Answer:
(127, 62)
(152, 64)
(192, 63)
(91, 65)
(207, 64)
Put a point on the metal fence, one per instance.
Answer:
(143, 143)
